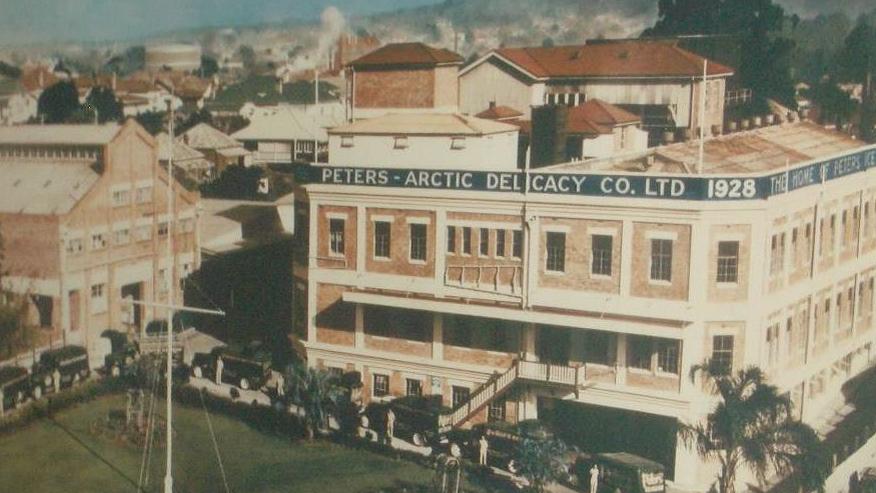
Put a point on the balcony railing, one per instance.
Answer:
(501, 279)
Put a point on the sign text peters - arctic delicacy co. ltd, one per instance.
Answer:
(589, 184)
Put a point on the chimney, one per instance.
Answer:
(113, 82)
(548, 140)
(492, 104)
(732, 126)
(42, 79)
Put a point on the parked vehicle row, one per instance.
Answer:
(56, 369)
(247, 367)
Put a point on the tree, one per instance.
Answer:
(540, 460)
(753, 426)
(58, 102)
(756, 23)
(856, 62)
(202, 115)
(13, 312)
(104, 101)
(315, 391)
(835, 105)
(209, 66)
(152, 121)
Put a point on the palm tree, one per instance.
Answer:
(753, 426)
(315, 391)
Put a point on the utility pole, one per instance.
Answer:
(168, 475)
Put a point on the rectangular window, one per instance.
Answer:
(496, 410)
(777, 253)
(162, 228)
(556, 252)
(500, 242)
(517, 244)
(601, 246)
(484, 248)
(98, 241)
(451, 239)
(466, 240)
(667, 356)
(661, 260)
(336, 236)
(74, 245)
(418, 242)
(121, 198)
(97, 291)
(728, 261)
(722, 353)
(381, 385)
(639, 352)
(98, 298)
(382, 238)
(413, 387)
(460, 395)
(122, 236)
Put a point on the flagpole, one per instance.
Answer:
(702, 117)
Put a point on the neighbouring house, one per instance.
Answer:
(84, 220)
(594, 129)
(425, 141)
(655, 80)
(216, 146)
(287, 134)
(16, 104)
(190, 162)
(403, 78)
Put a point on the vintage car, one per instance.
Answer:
(503, 441)
(71, 363)
(123, 353)
(247, 367)
(15, 384)
(621, 471)
(416, 418)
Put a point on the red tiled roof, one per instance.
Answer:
(597, 117)
(499, 113)
(37, 78)
(407, 54)
(613, 59)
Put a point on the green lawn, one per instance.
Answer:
(62, 455)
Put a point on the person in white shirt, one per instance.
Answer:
(594, 479)
(483, 446)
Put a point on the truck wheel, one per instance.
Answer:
(198, 372)
(19, 399)
(512, 466)
(115, 371)
(37, 392)
(244, 384)
(364, 422)
(129, 360)
(76, 379)
(418, 440)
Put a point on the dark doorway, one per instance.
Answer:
(552, 344)
(603, 429)
(75, 308)
(44, 305)
(135, 292)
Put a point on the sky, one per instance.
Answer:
(29, 21)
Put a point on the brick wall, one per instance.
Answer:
(578, 262)
(399, 262)
(335, 319)
(641, 283)
(324, 257)
(409, 88)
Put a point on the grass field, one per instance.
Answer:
(62, 455)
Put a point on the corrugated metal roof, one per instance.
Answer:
(203, 136)
(755, 151)
(43, 187)
(59, 134)
(289, 124)
(424, 124)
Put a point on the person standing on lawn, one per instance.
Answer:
(483, 446)
(56, 380)
(594, 479)
(390, 424)
(220, 365)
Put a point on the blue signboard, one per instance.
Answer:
(597, 185)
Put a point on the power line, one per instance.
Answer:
(215, 444)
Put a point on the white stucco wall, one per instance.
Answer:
(494, 152)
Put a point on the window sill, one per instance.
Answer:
(659, 282)
(381, 259)
(601, 277)
(639, 371)
(555, 273)
(727, 285)
(416, 262)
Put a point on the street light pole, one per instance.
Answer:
(169, 270)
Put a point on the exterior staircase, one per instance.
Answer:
(499, 383)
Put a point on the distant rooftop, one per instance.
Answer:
(203, 136)
(755, 151)
(43, 187)
(597, 117)
(499, 112)
(424, 124)
(637, 58)
(287, 123)
(407, 54)
(59, 134)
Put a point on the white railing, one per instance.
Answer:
(551, 373)
(489, 277)
(737, 96)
